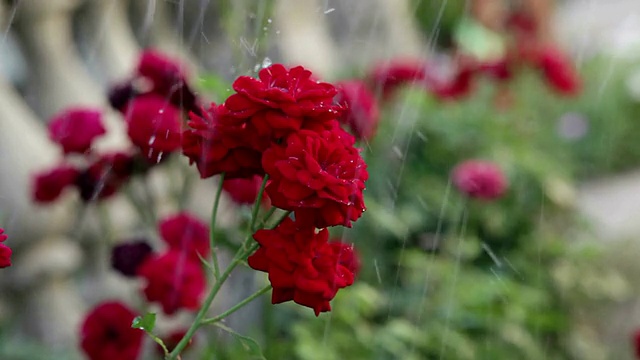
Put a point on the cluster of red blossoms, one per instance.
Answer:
(525, 50)
(285, 125)
(5, 251)
(75, 130)
(153, 104)
(173, 278)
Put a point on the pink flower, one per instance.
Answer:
(186, 233)
(5, 251)
(75, 129)
(362, 113)
(480, 179)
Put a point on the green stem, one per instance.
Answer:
(256, 205)
(239, 258)
(212, 228)
(267, 216)
(237, 307)
(205, 307)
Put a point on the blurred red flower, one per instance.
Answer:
(174, 280)
(361, 113)
(75, 129)
(106, 333)
(558, 71)
(390, 76)
(302, 265)
(245, 190)
(5, 251)
(105, 176)
(154, 126)
(49, 185)
(164, 77)
(480, 179)
(184, 232)
(636, 343)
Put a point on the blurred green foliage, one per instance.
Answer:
(448, 278)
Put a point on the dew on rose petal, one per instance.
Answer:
(152, 139)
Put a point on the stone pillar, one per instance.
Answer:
(110, 45)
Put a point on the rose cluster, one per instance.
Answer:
(95, 176)
(173, 278)
(285, 125)
(524, 50)
(153, 103)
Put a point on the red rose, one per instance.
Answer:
(154, 126)
(558, 71)
(302, 265)
(105, 176)
(480, 179)
(319, 175)
(362, 113)
(76, 128)
(106, 333)
(184, 232)
(5, 251)
(218, 144)
(48, 185)
(293, 91)
(636, 343)
(174, 280)
(245, 191)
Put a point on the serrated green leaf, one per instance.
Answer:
(146, 322)
(249, 344)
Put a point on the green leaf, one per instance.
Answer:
(248, 343)
(215, 85)
(146, 322)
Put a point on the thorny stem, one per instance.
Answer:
(236, 307)
(212, 227)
